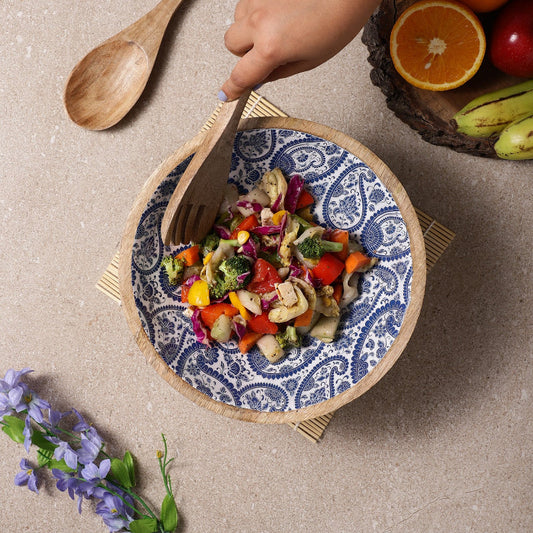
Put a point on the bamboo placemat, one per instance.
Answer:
(436, 238)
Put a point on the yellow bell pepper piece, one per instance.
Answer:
(278, 216)
(234, 299)
(199, 294)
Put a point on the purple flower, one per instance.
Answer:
(12, 379)
(114, 511)
(11, 401)
(64, 451)
(93, 472)
(26, 476)
(33, 404)
(27, 432)
(54, 417)
(91, 444)
(67, 481)
(93, 476)
(81, 425)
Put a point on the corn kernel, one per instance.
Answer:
(278, 216)
(242, 237)
(208, 257)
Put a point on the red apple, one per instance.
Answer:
(511, 48)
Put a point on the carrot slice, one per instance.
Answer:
(342, 236)
(304, 319)
(248, 341)
(190, 255)
(355, 261)
(337, 292)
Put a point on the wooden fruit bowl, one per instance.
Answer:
(428, 112)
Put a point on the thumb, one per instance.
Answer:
(249, 72)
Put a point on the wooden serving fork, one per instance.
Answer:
(193, 206)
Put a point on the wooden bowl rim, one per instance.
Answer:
(411, 315)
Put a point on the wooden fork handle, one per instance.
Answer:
(215, 151)
(227, 120)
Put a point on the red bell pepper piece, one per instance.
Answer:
(261, 324)
(248, 224)
(210, 313)
(304, 200)
(328, 269)
(265, 277)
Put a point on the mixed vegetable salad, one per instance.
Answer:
(266, 273)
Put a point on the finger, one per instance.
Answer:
(290, 69)
(238, 39)
(249, 71)
(241, 10)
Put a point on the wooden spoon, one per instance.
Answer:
(108, 81)
(193, 206)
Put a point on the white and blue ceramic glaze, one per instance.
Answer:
(348, 196)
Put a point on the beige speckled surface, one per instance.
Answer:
(442, 443)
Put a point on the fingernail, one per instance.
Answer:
(222, 96)
(258, 86)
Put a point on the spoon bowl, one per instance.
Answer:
(109, 80)
(106, 84)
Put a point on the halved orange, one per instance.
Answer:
(437, 44)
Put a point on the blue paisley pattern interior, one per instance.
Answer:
(348, 196)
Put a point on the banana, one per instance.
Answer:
(490, 113)
(516, 140)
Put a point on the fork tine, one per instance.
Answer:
(181, 217)
(169, 235)
(193, 226)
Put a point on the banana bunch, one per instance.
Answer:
(507, 113)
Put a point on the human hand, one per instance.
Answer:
(278, 38)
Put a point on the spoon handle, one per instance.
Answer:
(148, 31)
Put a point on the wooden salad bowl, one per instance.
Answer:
(430, 113)
(417, 252)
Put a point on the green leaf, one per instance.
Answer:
(60, 465)
(38, 439)
(120, 472)
(143, 525)
(169, 513)
(44, 457)
(130, 466)
(13, 428)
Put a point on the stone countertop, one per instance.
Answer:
(442, 443)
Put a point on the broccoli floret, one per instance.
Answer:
(209, 243)
(174, 268)
(235, 266)
(315, 247)
(233, 274)
(289, 338)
